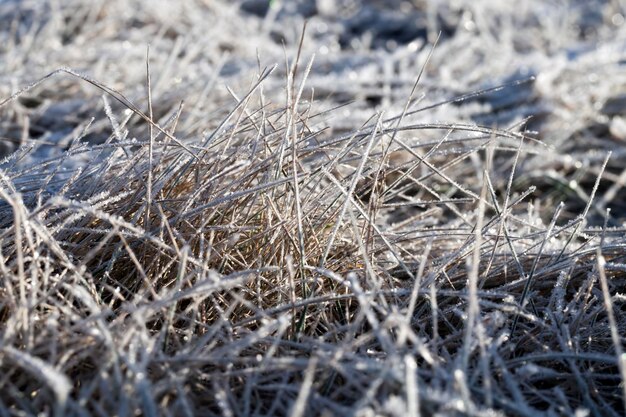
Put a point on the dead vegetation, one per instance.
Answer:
(258, 260)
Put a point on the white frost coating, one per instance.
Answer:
(57, 381)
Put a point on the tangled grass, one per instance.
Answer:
(275, 265)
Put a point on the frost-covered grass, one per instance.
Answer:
(249, 218)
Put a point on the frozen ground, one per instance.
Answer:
(279, 221)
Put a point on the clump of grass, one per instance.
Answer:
(245, 273)
(276, 266)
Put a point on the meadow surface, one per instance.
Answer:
(312, 207)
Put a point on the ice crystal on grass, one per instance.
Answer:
(251, 218)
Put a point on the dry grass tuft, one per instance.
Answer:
(277, 265)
